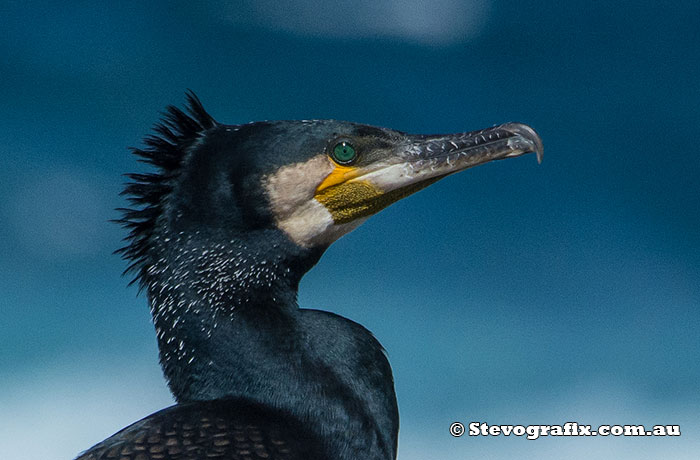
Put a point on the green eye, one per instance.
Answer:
(344, 153)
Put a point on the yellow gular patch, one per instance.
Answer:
(351, 200)
(346, 200)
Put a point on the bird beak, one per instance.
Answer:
(416, 162)
(427, 159)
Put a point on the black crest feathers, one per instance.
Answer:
(165, 149)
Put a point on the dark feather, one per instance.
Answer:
(165, 149)
(227, 429)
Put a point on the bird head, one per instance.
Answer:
(311, 181)
(340, 173)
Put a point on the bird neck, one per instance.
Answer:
(228, 325)
(213, 297)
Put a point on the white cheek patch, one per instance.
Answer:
(306, 223)
(291, 192)
(312, 225)
(295, 184)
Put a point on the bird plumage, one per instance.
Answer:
(220, 429)
(220, 236)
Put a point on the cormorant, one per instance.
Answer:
(220, 237)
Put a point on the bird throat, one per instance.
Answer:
(351, 200)
(356, 199)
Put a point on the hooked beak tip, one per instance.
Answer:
(529, 135)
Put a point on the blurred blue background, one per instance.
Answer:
(512, 293)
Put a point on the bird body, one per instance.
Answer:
(224, 429)
(220, 239)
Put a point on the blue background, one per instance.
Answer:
(511, 293)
